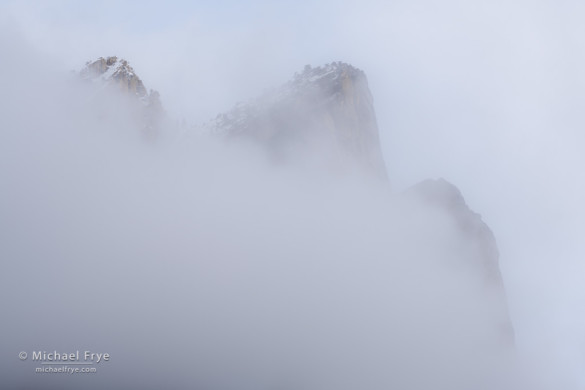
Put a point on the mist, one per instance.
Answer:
(195, 263)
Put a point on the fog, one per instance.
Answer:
(196, 264)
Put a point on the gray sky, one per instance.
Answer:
(488, 95)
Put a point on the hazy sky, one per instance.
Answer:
(489, 95)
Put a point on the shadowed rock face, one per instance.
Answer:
(483, 253)
(326, 111)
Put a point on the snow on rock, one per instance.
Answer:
(117, 74)
(323, 113)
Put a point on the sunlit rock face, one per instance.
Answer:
(115, 72)
(324, 115)
(116, 75)
(481, 249)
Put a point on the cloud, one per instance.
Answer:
(488, 96)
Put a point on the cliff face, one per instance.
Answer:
(326, 111)
(325, 116)
(329, 111)
(481, 248)
(116, 74)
